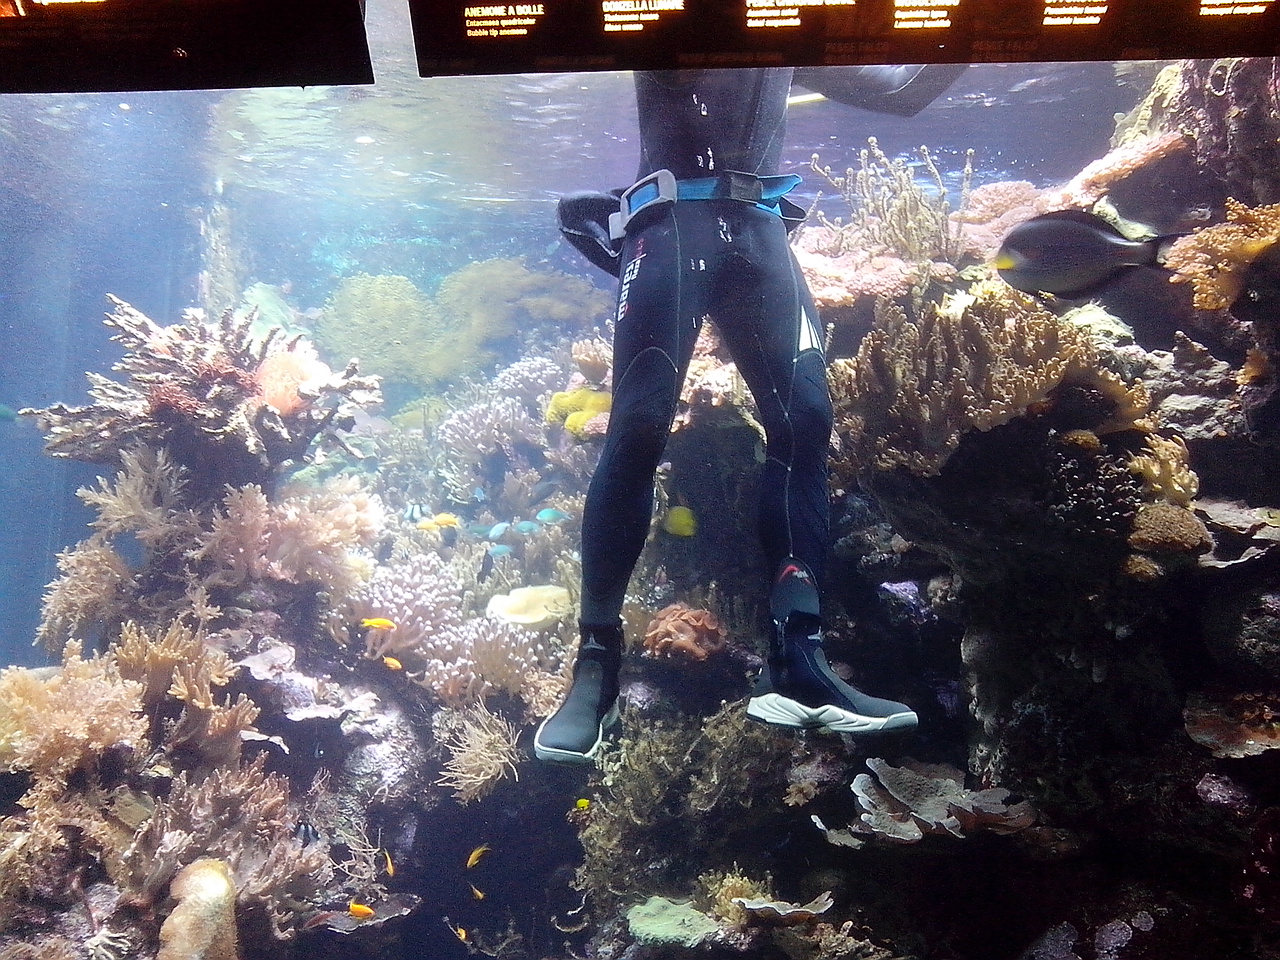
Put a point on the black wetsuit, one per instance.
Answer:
(724, 260)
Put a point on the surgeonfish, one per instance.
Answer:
(477, 855)
(1071, 254)
(680, 522)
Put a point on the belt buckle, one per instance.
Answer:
(657, 187)
(746, 187)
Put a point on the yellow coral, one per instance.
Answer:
(388, 323)
(1166, 471)
(584, 400)
(53, 723)
(915, 388)
(203, 924)
(1214, 260)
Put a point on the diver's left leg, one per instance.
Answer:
(774, 336)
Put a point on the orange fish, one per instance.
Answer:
(360, 911)
(391, 663)
(476, 894)
(391, 867)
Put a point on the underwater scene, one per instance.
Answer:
(291, 553)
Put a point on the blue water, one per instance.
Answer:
(104, 193)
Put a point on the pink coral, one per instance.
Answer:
(844, 279)
(992, 211)
(681, 630)
(1093, 182)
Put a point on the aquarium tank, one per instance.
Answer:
(302, 393)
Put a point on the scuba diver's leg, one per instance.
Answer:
(655, 329)
(777, 343)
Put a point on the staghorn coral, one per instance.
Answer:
(242, 817)
(482, 750)
(1214, 259)
(193, 389)
(904, 803)
(915, 388)
(528, 380)
(1097, 179)
(680, 630)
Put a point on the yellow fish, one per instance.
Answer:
(680, 522)
(582, 803)
(392, 663)
(378, 623)
(360, 911)
(459, 932)
(477, 855)
(391, 867)
(440, 521)
(476, 894)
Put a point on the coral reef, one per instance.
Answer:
(679, 630)
(422, 342)
(905, 802)
(1101, 176)
(203, 924)
(482, 750)
(461, 660)
(1213, 260)
(195, 389)
(916, 388)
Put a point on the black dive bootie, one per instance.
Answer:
(573, 733)
(797, 688)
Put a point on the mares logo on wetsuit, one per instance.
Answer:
(628, 275)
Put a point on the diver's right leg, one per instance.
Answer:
(651, 351)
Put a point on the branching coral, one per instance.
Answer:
(242, 817)
(482, 750)
(680, 630)
(90, 591)
(194, 390)
(320, 536)
(891, 210)
(906, 802)
(461, 660)
(54, 725)
(1213, 260)
(915, 388)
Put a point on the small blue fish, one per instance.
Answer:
(479, 495)
(478, 529)
(526, 527)
(499, 550)
(551, 515)
(497, 530)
